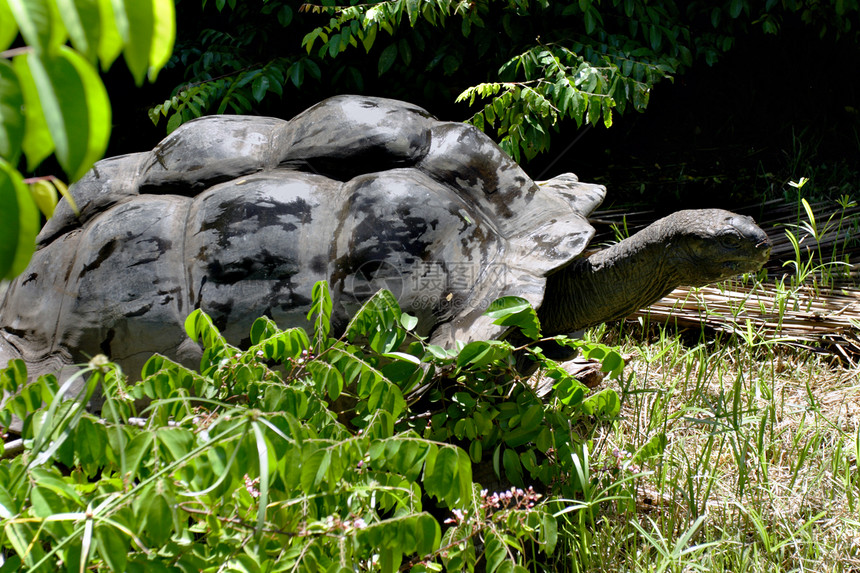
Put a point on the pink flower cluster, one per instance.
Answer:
(514, 498)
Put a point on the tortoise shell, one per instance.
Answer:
(240, 216)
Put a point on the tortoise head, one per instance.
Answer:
(708, 245)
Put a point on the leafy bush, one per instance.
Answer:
(301, 453)
(531, 63)
(52, 99)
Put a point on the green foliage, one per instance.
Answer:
(52, 99)
(301, 453)
(531, 63)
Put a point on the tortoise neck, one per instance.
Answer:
(610, 284)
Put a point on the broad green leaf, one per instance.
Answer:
(8, 27)
(440, 475)
(369, 37)
(8, 505)
(475, 451)
(39, 23)
(427, 534)
(604, 404)
(408, 321)
(314, 468)
(11, 114)
(37, 144)
(46, 502)
(515, 311)
(90, 441)
(652, 448)
(532, 417)
(158, 520)
(19, 222)
(112, 547)
(263, 328)
(177, 441)
(139, 447)
(13, 376)
(327, 378)
(259, 87)
(495, 552)
(513, 468)
(164, 36)
(200, 328)
(45, 195)
(480, 353)
(82, 19)
(110, 39)
(75, 106)
(386, 59)
(736, 7)
(548, 533)
(148, 30)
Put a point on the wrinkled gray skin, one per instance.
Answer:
(240, 216)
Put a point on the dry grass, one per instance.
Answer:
(760, 466)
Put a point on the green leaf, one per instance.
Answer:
(285, 15)
(652, 448)
(112, 547)
(14, 376)
(82, 19)
(259, 87)
(369, 37)
(327, 378)
(736, 7)
(263, 328)
(480, 353)
(532, 417)
(8, 27)
(314, 468)
(320, 312)
(515, 311)
(513, 467)
(37, 144)
(148, 30)
(90, 441)
(138, 447)
(75, 106)
(110, 39)
(39, 24)
(45, 195)
(159, 520)
(177, 441)
(19, 222)
(11, 114)
(495, 552)
(475, 451)
(386, 59)
(200, 328)
(548, 533)
(604, 404)
(450, 64)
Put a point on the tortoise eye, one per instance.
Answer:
(730, 240)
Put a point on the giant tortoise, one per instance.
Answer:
(240, 216)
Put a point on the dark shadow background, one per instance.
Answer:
(773, 109)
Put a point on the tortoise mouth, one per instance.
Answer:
(747, 265)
